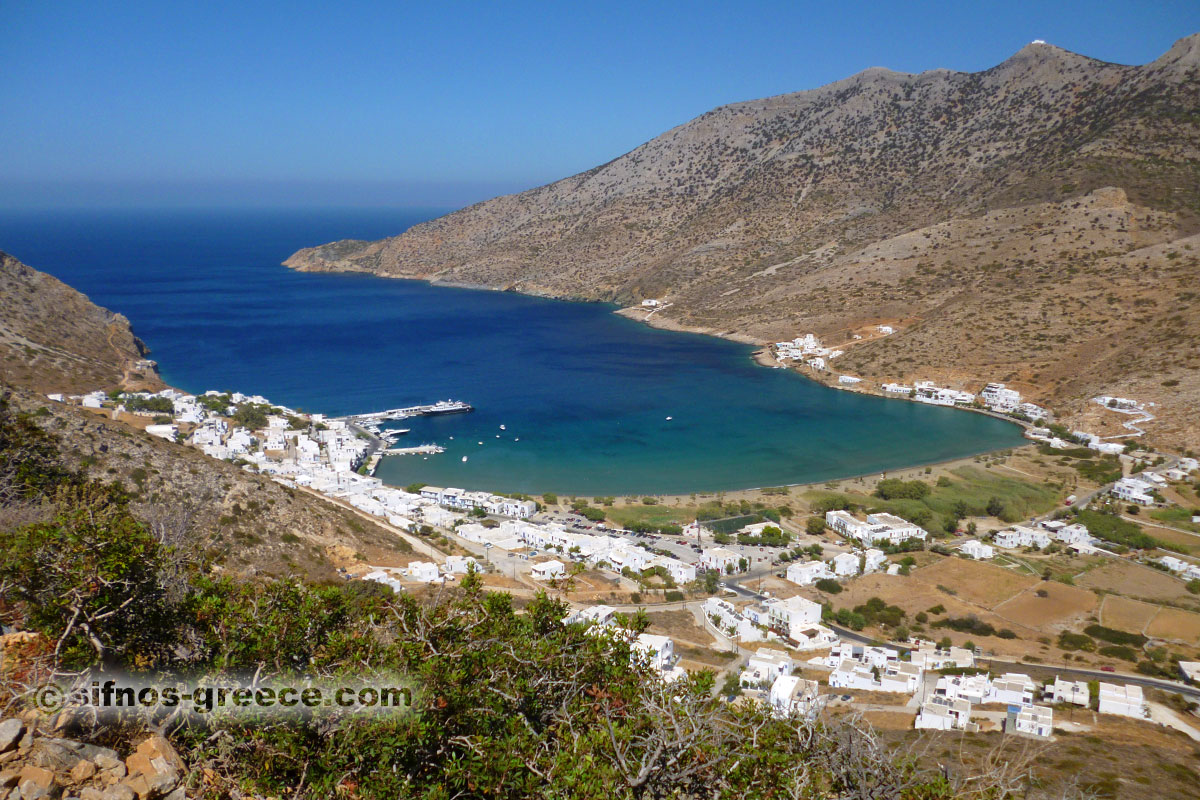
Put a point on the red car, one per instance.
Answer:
(1107, 668)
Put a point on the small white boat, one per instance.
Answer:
(503, 428)
(481, 442)
(464, 459)
(517, 439)
(670, 418)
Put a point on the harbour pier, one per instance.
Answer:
(432, 409)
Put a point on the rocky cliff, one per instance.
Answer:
(53, 338)
(924, 200)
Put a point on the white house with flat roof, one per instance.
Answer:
(977, 550)
(808, 572)
(764, 666)
(793, 614)
(721, 559)
(1035, 721)
(1074, 692)
(1125, 701)
(845, 565)
(791, 694)
(943, 714)
(1134, 490)
(548, 570)
(656, 652)
(1021, 536)
(1012, 688)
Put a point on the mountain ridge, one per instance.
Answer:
(755, 200)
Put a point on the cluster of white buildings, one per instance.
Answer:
(655, 652)
(843, 565)
(877, 528)
(613, 552)
(1139, 490)
(423, 572)
(796, 619)
(806, 348)
(1054, 530)
(1182, 568)
(464, 500)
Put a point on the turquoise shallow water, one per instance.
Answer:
(586, 392)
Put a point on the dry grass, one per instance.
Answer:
(1125, 614)
(1062, 604)
(1177, 625)
(1135, 580)
(975, 581)
(680, 625)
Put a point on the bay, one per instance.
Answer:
(583, 394)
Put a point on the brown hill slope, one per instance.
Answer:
(53, 338)
(805, 211)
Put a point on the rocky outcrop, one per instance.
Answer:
(35, 766)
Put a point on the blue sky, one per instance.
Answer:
(447, 103)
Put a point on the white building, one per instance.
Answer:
(1036, 721)
(970, 688)
(793, 615)
(1073, 692)
(845, 564)
(460, 565)
(1125, 701)
(928, 656)
(721, 559)
(1072, 534)
(996, 397)
(877, 527)
(423, 572)
(601, 616)
(1021, 536)
(1012, 688)
(1134, 490)
(808, 572)
(547, 570)
(764, 666)
(848, 380)
(977, 550)
(791, 694)
(656, 652)
(942, 714)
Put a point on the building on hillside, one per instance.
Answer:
(928, 656)
(1125, 701)
(1012, 688)
(998, 398)
(792, 615)
(548, 570)
(424, 572)
(460, 565)
(845, 565)
(808, 572)
(942, 714)
(656, 652)
(1035, 721)
(971, 688)
(764, 666)
(793, 695)
(1134, 490)
(1074, 692)
(977, 550)
(601, 616)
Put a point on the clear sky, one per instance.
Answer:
(446, 103)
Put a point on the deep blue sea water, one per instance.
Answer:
(586, 392)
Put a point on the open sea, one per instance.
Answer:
(584, 395)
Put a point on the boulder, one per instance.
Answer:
(11, 731)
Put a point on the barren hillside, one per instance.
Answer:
(1008, 219)
(53, 338)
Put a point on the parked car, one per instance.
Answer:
(1107, 668)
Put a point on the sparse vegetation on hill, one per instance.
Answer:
(1033, 223)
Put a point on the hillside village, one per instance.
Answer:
(807, 664)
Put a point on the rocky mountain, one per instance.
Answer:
(1030, 223)
(53, 338)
